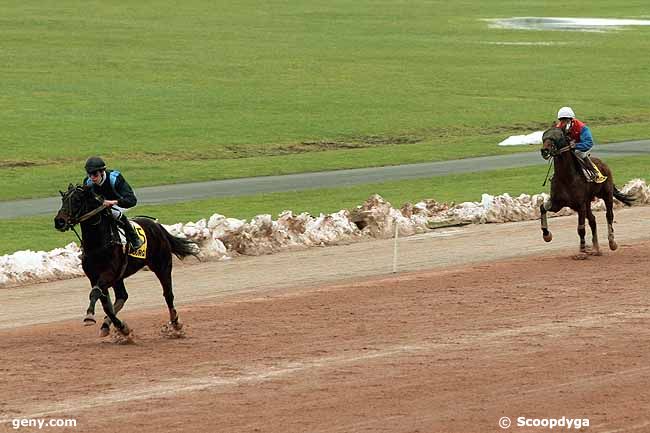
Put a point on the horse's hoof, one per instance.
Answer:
(581, 256)
(613, 245)
(125, 330)
(548, 238)
(89, 320)
(176, 325)
(104, 331)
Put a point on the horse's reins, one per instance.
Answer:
(553, 153)
(564, 149)
(550, 164)
(91, 214)
(83, 218)
(86, 217)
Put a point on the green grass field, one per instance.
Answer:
(174, 92)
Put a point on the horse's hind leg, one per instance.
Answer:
(581, 229)
(164, 274)
(121, 296)
(609, 206)
(594, 232)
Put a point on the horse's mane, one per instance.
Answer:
(560, 140)
(554, 134)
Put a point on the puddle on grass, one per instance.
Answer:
(573, 24)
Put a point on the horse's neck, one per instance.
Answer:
(565, 166)
(97, 231)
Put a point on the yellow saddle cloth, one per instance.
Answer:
(140, 253)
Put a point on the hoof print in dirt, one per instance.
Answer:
(118, 338)
(172, 331)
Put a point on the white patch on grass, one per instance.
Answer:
(518, 140)
(564, 24)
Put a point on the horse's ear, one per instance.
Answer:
(62, 193)
(70, 186)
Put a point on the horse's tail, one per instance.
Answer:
(181, 247)
(626, 199)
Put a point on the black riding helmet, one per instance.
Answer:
(95, 163)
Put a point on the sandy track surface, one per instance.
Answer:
(328, 340)
(32, 304)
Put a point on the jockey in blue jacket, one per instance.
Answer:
(117, 193)
(579, 135)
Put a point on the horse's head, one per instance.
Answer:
(554, 142)
(75, 203)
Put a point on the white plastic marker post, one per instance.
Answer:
(395, 246)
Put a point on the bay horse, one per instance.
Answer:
(107, 263)
(569, 188)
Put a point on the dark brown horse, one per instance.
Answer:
(105, 261)
(569, 188)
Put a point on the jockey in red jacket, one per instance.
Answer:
(580, 136)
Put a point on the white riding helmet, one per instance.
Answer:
(565, 112)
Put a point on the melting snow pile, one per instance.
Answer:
(502, 208)
(221, 238)
(638, 189)
(27, 266)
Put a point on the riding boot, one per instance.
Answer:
(597, 176)
(130, 233)
(585, 166)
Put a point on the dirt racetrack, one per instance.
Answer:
(482, 322)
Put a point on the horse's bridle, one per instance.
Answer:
(554, 150)
(71, 221)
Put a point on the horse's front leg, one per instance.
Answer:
(95, 294)
(121, 296)
(105, 298)
(544, 207)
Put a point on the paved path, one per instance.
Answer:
(166, 194)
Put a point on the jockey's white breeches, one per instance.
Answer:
(117, 212)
